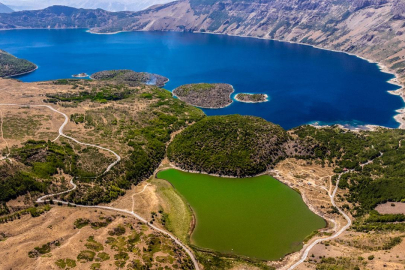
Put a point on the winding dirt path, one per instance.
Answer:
(332, 195)
(137, 193)
(74, 186)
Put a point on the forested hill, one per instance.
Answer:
(12, 66)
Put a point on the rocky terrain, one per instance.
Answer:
(251, 98)
(373, 29)
(130, 77)
(369, 28)
(205, 95)
(12, 66)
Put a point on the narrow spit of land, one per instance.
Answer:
(43, 199)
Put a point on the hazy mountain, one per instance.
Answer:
(61, 17)
(374, 29)
(110, 5)
(5, 9)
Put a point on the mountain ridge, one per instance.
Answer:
(5, 9)
(373, 29)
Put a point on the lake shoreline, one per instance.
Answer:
(20, 74)
(275, 261)
(399, 117)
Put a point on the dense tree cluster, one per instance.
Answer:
(229, 145)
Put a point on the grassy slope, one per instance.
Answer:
(141, 135)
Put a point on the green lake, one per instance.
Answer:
(257, 217)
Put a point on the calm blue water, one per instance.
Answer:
(304, 84)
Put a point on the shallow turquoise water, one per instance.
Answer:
(304, 84)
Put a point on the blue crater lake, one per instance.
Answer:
(304, 84)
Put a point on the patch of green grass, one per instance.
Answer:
(118, 231)
(86, 256)
(121, 256)
(103, 256)
(44, 248)
(63, 263)
(93, 244)
(179, 214)
(95, 266)
(80, 223)
(195, 87)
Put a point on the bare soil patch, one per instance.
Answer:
(391, 208)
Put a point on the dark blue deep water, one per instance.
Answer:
(305, 84)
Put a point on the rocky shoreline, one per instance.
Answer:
(251, 98)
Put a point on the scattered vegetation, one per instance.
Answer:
(130, 77)
(66, 263)
(377, 182)
(12, 66)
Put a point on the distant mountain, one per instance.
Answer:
(374, 29)
(5, 9)
(110, 5)
(61, 17)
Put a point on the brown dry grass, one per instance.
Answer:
(308, 178)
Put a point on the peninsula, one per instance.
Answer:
(205, 95)
(12, 66)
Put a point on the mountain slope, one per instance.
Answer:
(60, 17)
(12, 66)
(5, 9)
(115, 5)
(372, 28)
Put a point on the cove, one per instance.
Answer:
(304, 84)
(257, 217)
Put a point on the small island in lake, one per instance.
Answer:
(130, 77)
(80, 75)
(205, 95)
(252, 98)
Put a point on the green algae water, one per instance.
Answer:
(257, 217)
